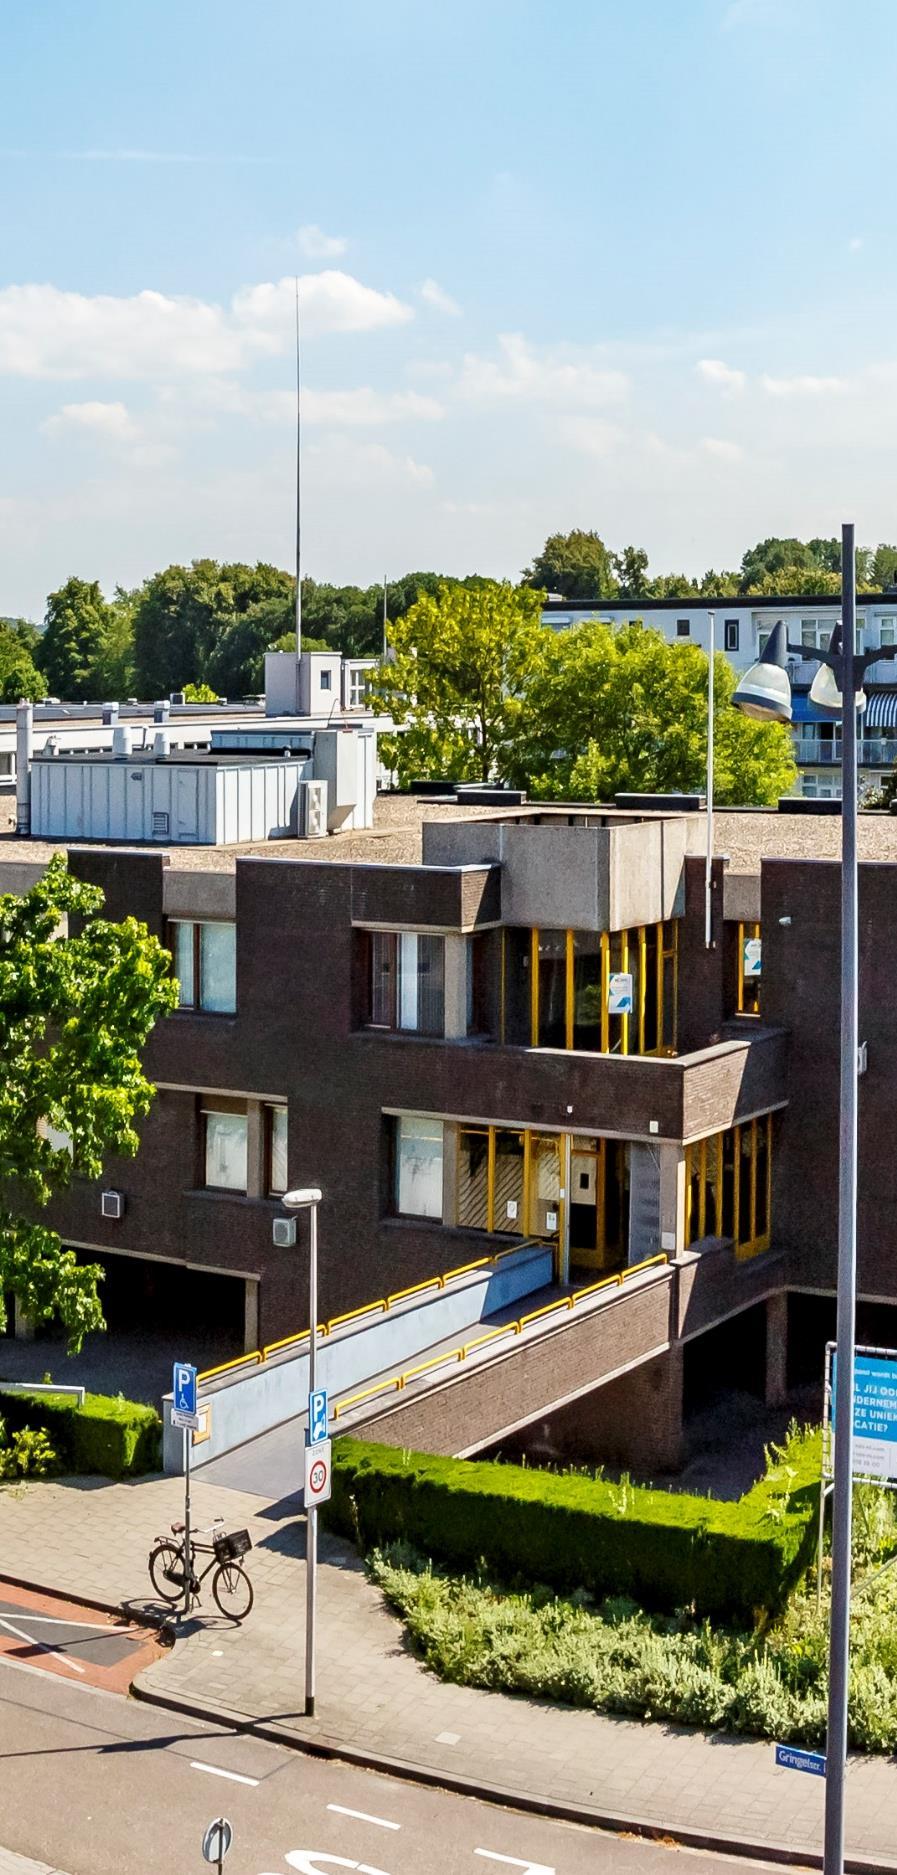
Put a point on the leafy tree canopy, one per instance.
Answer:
(19, 675)
(605, 710)
(80, 650)
(458, 665)
(576, 565)
(74, 1012)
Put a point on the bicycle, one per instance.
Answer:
(231, 1586)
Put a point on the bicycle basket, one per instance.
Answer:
(229, 1547)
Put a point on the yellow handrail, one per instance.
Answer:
(382, 1305)
(396, 1383)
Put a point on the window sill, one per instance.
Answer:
(214, 1193)
(206, 1015)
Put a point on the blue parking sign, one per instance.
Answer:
(317, 1416)
(183, 1387)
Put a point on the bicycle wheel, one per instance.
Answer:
(166, 1567)
(232, 1590)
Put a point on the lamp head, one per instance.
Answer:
(825, 691)
(301, 1200)
(764, 692)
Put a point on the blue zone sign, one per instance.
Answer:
(183, 1388)
(874, 1415)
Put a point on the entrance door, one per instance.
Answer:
(599, 1203)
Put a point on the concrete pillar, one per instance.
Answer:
(250, 1316)
(449, 1171)
(24, 752)
(23, 1327)
(777, 1349)
(672, 1199)
(457, 960)
(255, 1150)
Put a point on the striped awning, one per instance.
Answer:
(881, 710)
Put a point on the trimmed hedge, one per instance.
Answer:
(116, 1437)
(663, 1549)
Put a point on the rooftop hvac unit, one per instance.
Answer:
(112, 1204)
(283, 1232)
(312, 810)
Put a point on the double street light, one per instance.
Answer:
(764, 693)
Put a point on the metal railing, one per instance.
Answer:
(381, 1306)
(870, 753)
(396, 1383)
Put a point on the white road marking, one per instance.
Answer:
(310, 1861)
(57, 1621)
(45, 1648)
(513, 1861)
(363, 1816)
(215, 1770)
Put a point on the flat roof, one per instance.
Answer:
(743, 835)
(711, 602)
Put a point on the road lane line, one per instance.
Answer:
(363, 1816)
(514, 1861)
(215, 1770)
(56, 1621)
(42, 1647)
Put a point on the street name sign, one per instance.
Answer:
(317, 1472)
(794, 1758)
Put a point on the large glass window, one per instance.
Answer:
(748, 974)
(225, 1149)
(205, 964)
(407, 988)
(418, 1166)
(568, 989)
(729, 1186)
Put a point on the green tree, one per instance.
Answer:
(610, 710)
(631, 573)
(183, 616)
(19, 675)
(883, 569)
(74, 1012)
(78, 625)
(455, 674)
(576, 565)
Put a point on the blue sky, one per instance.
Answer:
(569, 264)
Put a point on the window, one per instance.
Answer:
(275, 1150)
(359, 682)
(749, 969)
(510, 1183)
(418, 1167)
(226, 1156)
(728, 1187)
(887, 634)
(408, 982)
(683, 628)
(731, 628)
(557, 989)
(205, 964)
(324, 680)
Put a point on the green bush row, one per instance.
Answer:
(116, 1437)
(662, 1549)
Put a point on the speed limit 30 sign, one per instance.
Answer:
(317, 1472)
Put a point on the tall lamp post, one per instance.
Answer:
(765, 694)
(308, 1200)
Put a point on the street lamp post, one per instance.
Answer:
(765, 694)
(308, 1200)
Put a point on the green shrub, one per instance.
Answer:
(116, 1437)
(663, 1549)
(26, 1455)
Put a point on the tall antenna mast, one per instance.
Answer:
(298, 477)
(385, 614)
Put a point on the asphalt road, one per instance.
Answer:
(96, 1784)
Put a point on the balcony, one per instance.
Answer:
(872, 752)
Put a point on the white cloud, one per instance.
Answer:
(48, 333)
(109, 422)
(592, 435)
(436, 296)
(721, 448)
(358, 408)
(803, 387)
(318, 245)
(523, 374)
(726, 377)
(855, 243)
(342, 463)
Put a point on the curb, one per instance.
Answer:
(558, 1810)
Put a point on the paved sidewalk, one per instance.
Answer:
(89, 1537)
(12, 1864)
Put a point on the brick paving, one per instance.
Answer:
(89, 1537)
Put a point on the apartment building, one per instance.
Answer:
(742, 629)
(520, 1034)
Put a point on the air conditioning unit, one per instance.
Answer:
(283, 1231)
(112, 1204)
(312, 810)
